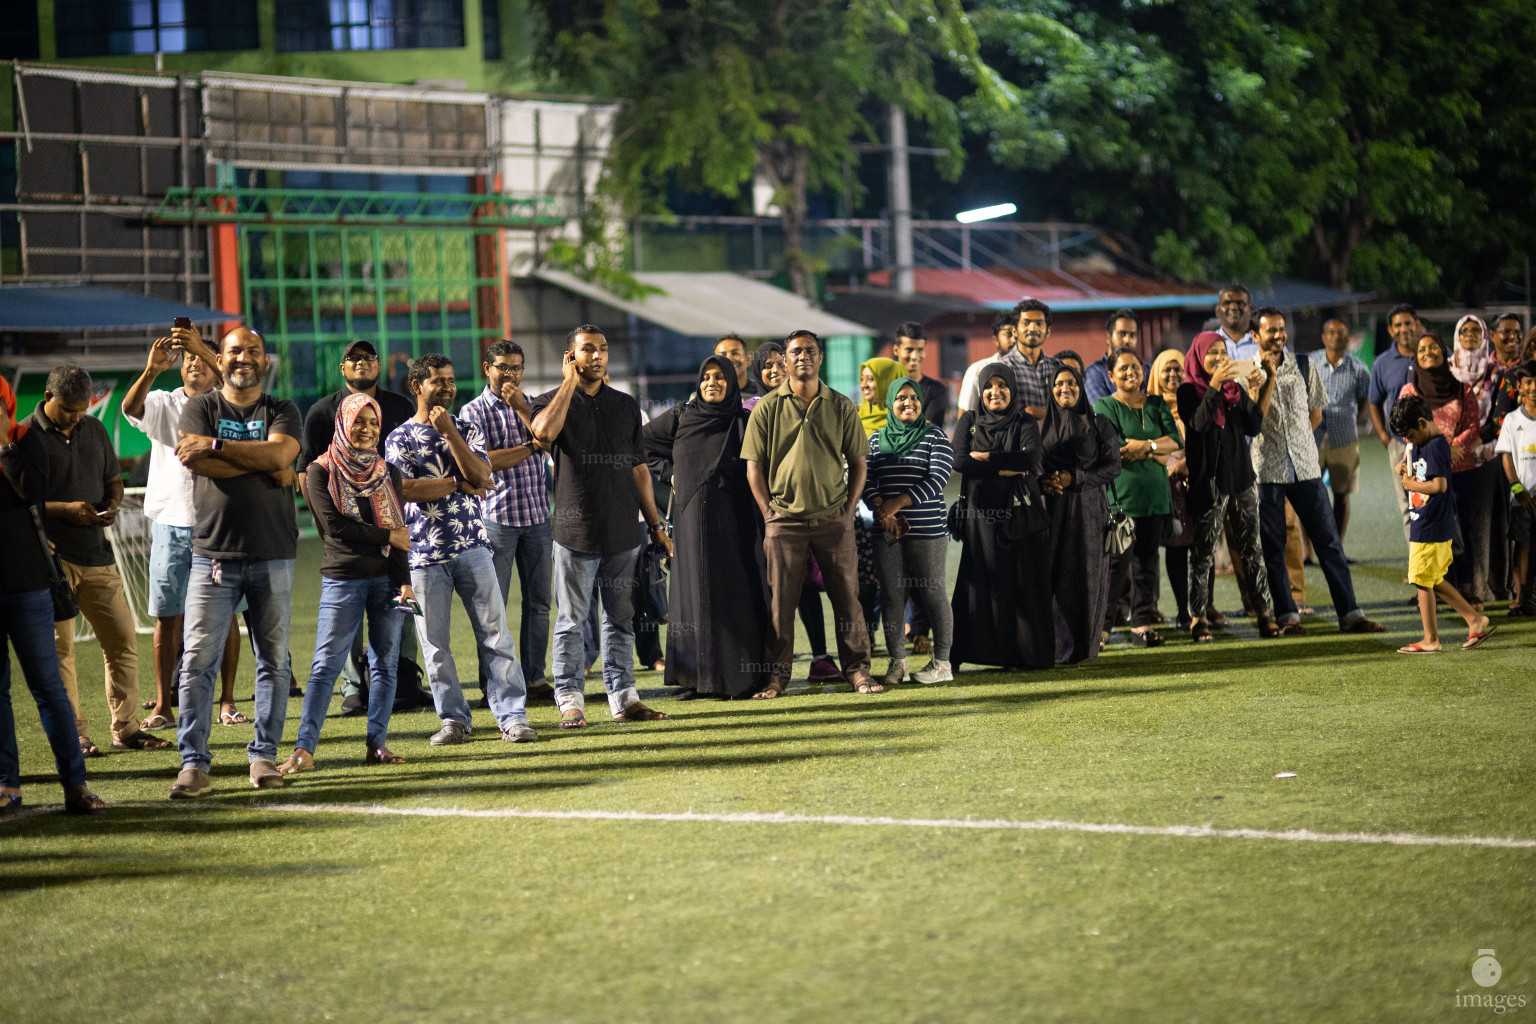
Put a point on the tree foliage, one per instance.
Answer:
(722, 89)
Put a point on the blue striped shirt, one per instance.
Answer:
(1346, 386)
(922, 473)
(519, 495)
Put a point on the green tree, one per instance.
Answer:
(722, 89)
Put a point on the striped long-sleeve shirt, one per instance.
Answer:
(922, 473)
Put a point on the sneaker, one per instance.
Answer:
(192, 782)
(264, 775)
(450, 734)
(897, 673)
(519, 732)
(936, 672)
(824, 671)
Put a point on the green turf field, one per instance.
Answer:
(291, 905)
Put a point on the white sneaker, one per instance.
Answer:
(897, 673)
(936, 672)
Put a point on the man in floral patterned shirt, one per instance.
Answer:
(444, 468)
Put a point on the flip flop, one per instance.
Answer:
(156, 722)
(140, 740)
(572, 718)
(89, 749)
(231, 718)
(1473, 639)
(1416, 649)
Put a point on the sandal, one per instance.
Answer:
(380, 755)
(1473, 639)
(300, 761)
(79, 800)
(1268, 629)
(1200, 633)
(866, 684)
(775, 688)
(638, 712)
(156, 722)
(233, 717)
(10, 803)
(89, 749)
(140, 740)
(1217, 619)
(573, 718)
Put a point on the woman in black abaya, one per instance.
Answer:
(718, 610)
(1081, 455)
(1002, 601)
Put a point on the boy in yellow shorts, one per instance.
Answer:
(1426, 476)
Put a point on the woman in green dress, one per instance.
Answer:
(1148, 435)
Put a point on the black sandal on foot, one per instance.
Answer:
(382, 755)
(89, 749)
(79, 800)
(1268, 629)
(1200, 633)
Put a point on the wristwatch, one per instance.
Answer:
(1516, 488)
(215, 444)
(1154, 445)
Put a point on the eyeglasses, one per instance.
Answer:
(361, 358)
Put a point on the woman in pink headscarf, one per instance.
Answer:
(1219, 417)
(355, 497)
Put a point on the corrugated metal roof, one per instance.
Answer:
(81, 307)
(710, 305)
(1092, 290)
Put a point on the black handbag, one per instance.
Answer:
(652, 604)
(954, 522)
(1026, 510)
(65, 605)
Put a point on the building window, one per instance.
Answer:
(102, 28)
(490, 28)
(311, 25)
(18, 33)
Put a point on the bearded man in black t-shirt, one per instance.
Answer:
(239, 444)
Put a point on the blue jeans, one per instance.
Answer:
(214, 589)
(1315, 511)
(342, 603)
(26, 623)
(530, 548)
(615, 578)
(472, 575)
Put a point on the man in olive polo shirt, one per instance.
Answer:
(798, 441)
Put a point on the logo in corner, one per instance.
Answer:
(1485, 969)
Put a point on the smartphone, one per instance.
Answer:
(184, 322)
(1242, 369)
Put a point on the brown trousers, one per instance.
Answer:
(785, 543)
(99, 589)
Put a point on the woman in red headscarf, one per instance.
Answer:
(1219, 417)
(1456, 410)
(355, 497)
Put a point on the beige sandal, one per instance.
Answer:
(301, 761)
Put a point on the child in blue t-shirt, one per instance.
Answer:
(1426, 476)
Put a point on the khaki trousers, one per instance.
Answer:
(99, 589)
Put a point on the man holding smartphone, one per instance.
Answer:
(85, 489)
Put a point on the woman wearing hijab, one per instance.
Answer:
(1002, 601)
(766, 372)
(719, 600)
(1167, 375)
(909, 462)
(1219, 417)
(875, 377)
(1455, 409)
(1485, 511)
(1081, 455)
(355, 497)
(1508, 341)
(26, 618)
(1148, 436)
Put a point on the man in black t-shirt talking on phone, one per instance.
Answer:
(239, 444)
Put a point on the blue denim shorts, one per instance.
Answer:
(170, 567)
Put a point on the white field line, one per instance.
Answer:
(750, 818)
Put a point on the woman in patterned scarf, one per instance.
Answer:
(355, 497)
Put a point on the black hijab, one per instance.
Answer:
(1068, 433)
(1000, 430)
(708, 437)
(755, 385)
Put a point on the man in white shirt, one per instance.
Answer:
(168, 507)
(1517, 450)
(1005, 334)
(1234, 308)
